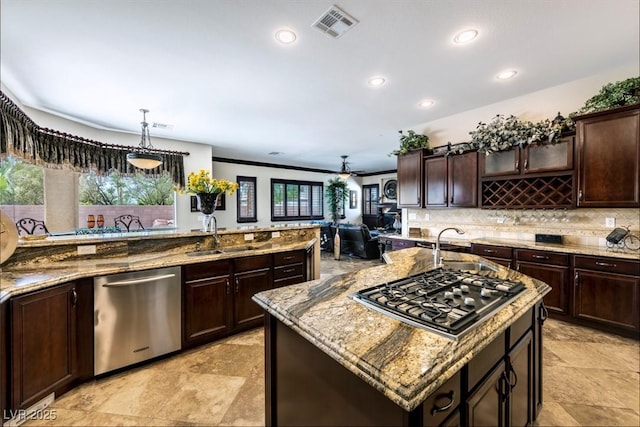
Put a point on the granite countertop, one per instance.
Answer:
(527, 244)
(405, 363)
(19, 280)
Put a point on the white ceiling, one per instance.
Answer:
(212, 68)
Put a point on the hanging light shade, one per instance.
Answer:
(345, 171)
(144, 158)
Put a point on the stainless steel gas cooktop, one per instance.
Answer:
(448, 302)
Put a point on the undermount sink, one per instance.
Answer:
(467, 266)
(202, 253)
(240, 248)
(224, 250)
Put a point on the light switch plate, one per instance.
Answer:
(275, 234)
(610, 222)
(86, 250)
(248, 237)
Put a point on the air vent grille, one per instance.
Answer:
(335, 22)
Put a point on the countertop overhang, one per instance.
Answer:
(405, 363)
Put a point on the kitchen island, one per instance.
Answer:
(333, 361)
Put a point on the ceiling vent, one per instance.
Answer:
(335, 22)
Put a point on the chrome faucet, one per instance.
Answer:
(216, 240)
(436, 251)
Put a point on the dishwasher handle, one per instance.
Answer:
(147, 279)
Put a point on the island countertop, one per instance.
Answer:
(405, 363)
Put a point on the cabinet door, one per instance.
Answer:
(500, 163)
(557, 277)
(435, 182)
(487, 405)
(609, 160)
(43, 337)
(463, 180)
(521, 382)
(206, 310)
(606, 298)
(545, 158)
(410, 179)
(246, 312)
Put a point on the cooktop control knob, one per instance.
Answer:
(485, 293)
(457, 291)
(469, 301)
(448, 295)
(464, 289)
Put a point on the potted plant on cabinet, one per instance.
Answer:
(411, 141)
(613, 95)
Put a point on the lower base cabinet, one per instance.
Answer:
(304, 386)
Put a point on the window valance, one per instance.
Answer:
(22, 137)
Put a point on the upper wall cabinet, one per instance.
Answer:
(451, 181)
(410, 177)
(608, 158)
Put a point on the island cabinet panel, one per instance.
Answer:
(289, 268)
(251, 275)
(609, 158)
(44, 356)
(443, 404)
(410, 179)
(551, 268)
(206, 299)
(606, 291)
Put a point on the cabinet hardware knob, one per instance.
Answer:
(517, 164)
(489, 251)
(518, 267)
(526, 164)
(228, 287)
(450, 396)
(544, 313)
(74, 297)
(237, 285)
(579, 194)
(575, 279)
(515, 377)
(539, 257)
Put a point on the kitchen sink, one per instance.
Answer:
(202, 253)
(226, 250)
(467, 266)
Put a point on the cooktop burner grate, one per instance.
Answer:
(446, 301)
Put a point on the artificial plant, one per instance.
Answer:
(410, 141)
(336, 194)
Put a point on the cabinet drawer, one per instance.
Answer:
(293, 280)
(610, 265)
(402, 244)
(252, 263)
(542, 257)
(206, 269)
(284, 258)
(520, 328)
(442, 402)
(492, 251)
(485, 360)
(288, 271)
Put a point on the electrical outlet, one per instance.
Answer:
(426, 217)
(248, 237)
(86, 250)
(275, 234)
(610, 222)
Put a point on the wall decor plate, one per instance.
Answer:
(390, 189)
(8, 237)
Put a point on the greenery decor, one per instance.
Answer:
(336, 194)
(201, 182)
(503, 133)
(613, 95)
(410, 141)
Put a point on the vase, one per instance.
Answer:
(208, 202)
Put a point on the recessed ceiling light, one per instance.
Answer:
(506, 75)
(377, 81)
(465, 36)
(426, 103)
(285, 36)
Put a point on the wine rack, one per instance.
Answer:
(529, 192)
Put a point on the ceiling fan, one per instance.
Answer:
(345, 169)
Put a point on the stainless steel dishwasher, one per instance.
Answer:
(137, 316)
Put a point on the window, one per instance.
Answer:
(370, 199)
(296, 200)
(247, 210)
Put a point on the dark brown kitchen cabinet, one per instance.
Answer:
(606, 292)
(451, 181)
(505, 396)
(609, 158)
(206, 299)
(551, 268)
(499, 254)
(410, 179)
(251, 275)
(44, 356)
(289, 268)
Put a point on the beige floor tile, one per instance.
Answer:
(618, 357)
(601, 416)
(553, 414)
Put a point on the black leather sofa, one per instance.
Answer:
(357, 240)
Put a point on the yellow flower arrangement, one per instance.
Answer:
(201, 182)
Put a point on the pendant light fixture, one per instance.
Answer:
(144, 158)
(345, 171)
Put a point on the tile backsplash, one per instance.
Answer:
(577, 226)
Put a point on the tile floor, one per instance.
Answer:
(591, 379)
